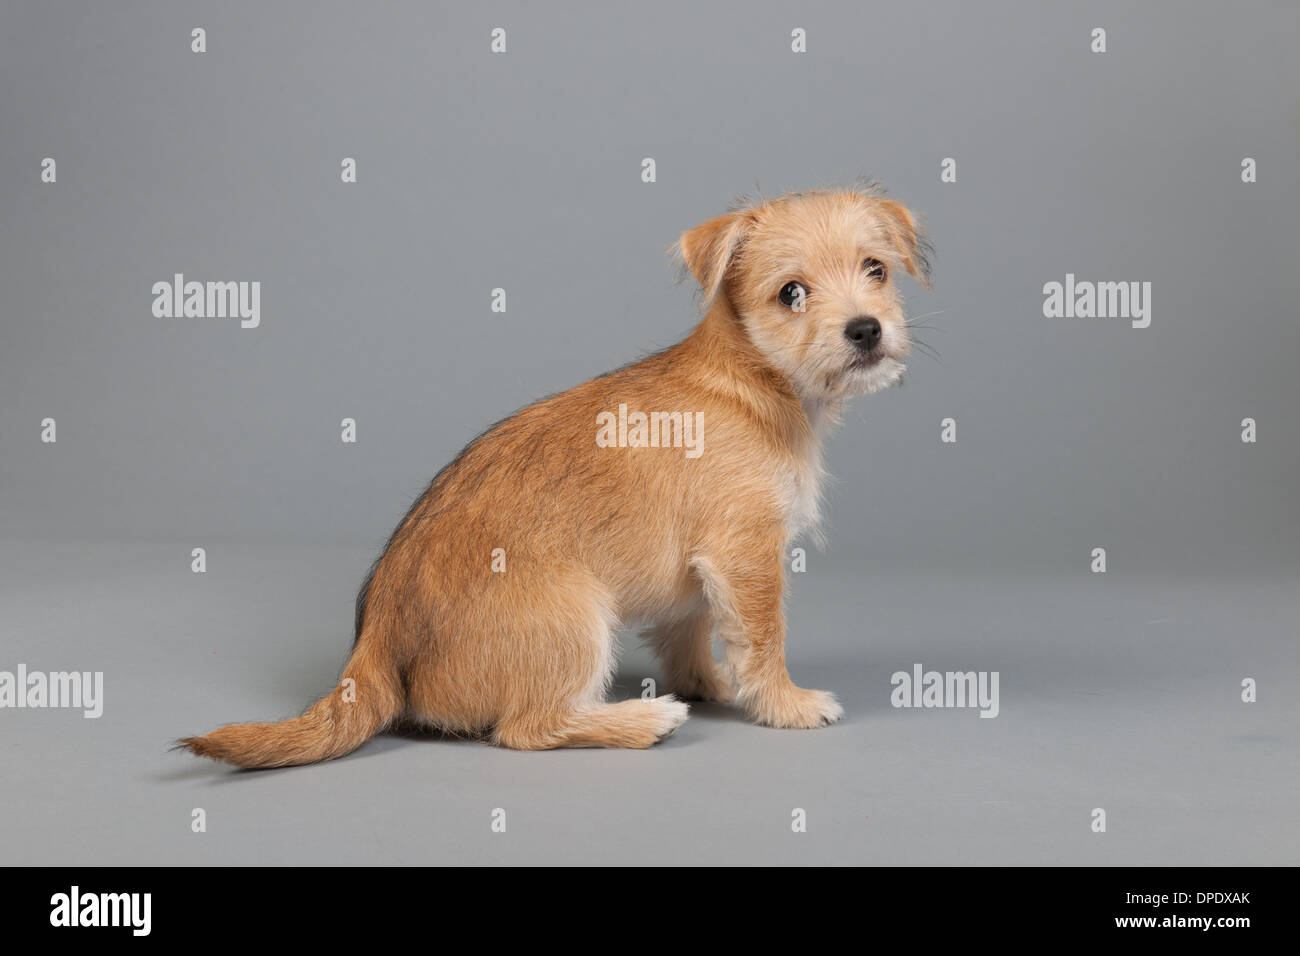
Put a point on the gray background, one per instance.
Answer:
(523, 171)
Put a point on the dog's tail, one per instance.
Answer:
(369, 697)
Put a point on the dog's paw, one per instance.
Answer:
(670, 713)
(799, 708)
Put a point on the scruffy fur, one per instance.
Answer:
(597, 536)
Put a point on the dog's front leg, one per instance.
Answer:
(744, 586)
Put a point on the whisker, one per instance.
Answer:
(926, 315)
(927, 349)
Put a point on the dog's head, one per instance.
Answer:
(813, 279)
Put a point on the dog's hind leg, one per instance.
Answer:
(553, 656)
(630, 723)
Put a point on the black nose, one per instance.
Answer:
(864, 332)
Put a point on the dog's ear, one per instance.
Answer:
(910, 239)
(708, 250)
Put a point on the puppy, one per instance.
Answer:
(494, 606)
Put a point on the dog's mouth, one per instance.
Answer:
(870, 372)
(866, 360)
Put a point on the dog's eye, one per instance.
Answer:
(875, 269)
(792, 294)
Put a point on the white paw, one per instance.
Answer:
(670, 714)
(798, 708)
(828, 708)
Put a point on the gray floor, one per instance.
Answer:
(1116, 692)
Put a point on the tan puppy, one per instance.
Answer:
(494, 607)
